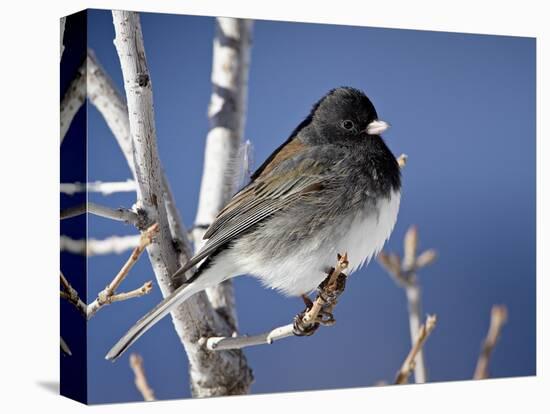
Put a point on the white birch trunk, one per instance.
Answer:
(227, 114)
(211, 374)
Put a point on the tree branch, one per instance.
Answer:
(119, 214)
(93, 247)
(98, 187)
(71, 295)
(227, 115)
(72, 100)
(136, 363)
(211, 374)
(421, 337)
(108, 295)
(404, 274)
(103, 94)
(499, 316)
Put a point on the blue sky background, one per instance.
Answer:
(461, 106)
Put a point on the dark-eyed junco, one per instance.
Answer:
(333, 186)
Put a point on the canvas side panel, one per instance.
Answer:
(73, 158)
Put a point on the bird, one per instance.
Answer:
(333, 186)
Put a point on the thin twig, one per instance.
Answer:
(309, 318)
(71, 295)
(409, 363)
(105, 188)
(119, 214)
(403, 272)
(136, 363)
(108, 295)
(499, 316)
(220, 343)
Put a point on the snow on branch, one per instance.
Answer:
(403, 272)
(227, 115)
(72, 100)
(211, 374)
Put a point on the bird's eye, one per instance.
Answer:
(347, 124)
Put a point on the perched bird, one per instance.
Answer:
(332, 186)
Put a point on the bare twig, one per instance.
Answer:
(71, 295)
(421, 337)
(136, 363)
(105, 188)
(227, 114)
(403, 273)
(324, 302)
(72, 100)
(94, 247)
(108, 295)
(119, 214)
(499, 316)
(211, 374)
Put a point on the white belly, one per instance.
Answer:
(301, 272)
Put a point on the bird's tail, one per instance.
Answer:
(181, 294)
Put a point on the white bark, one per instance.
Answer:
(239, 342)
(61, 35)
(211, 374)
(227, 114)
(103, 94)
(93, 247)
(72, 100)
(104, 188)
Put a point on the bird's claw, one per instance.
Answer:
(302, 328)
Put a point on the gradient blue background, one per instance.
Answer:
(461, 106)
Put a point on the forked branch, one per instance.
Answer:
(403, 272)
(109, 295)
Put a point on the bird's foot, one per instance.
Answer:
(302, 328)
(330, 292)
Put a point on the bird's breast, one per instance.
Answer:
(369, 229)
